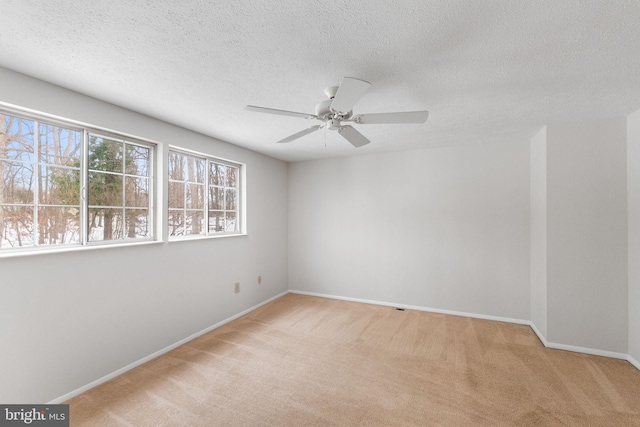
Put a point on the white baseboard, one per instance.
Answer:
(542, 338)
(586, 350)
(574, 348)
(416, 307)
(152, 356)
(634, 362)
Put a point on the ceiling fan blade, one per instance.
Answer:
(391, 118)
(353, 136)
(349, 91)
(280, 112)
(300, 134)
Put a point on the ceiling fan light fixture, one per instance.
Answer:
(339, 107)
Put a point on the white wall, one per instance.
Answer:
(587, 234)
(633, 191)
(538, 206)
(67, 319)
(444, 228)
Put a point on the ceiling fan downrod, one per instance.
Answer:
(339, 107)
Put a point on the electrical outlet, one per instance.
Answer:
(259, 279)
(236, 288)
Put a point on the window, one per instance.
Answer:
(204, 195)
(63, 185)
(118, 187)
(186, 194)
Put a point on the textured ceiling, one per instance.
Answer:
(486, 70)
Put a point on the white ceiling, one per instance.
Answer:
(491, 70)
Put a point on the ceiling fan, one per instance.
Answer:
(339, 108)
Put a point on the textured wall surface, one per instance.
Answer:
(67, 319)
(444, 228)
(538, 226)
(633, 190)
(587, 234)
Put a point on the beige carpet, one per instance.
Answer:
(306, 361)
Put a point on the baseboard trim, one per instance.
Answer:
(152, 356)
(576, 349)
(633, 361)
(586, 350)
(545, 342)
(158, 353)
(416, 307)
(541, 337)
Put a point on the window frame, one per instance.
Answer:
(39, 119)
(37, 164)
(240, 188)
(152, 177)
(184, 184)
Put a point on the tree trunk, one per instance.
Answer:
(108, 226)
(195, 198)
(131, 222)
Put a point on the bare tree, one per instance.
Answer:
(3, 155)
(16, 194)
(59, 184)
(193, 172)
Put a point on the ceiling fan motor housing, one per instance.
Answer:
(323, 111)
(339, 107)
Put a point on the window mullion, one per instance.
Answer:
(184, 203)
(207, 194)
(36, 184)
(123, 189)
(84, 189)
(151, 212)
(237, 204)
(224, 206)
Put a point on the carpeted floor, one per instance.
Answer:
(307, 361)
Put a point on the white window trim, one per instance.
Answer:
(155, 219)
(153, 207)
(157, 188)
(48, 250)
(242, 210)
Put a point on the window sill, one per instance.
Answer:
(54, 250)
(196, 238)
